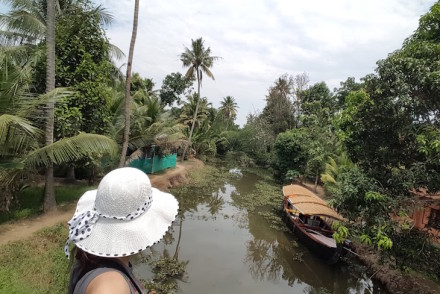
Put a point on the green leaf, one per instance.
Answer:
(71, 149)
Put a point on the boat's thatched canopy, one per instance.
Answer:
(308, 203)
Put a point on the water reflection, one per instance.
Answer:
(273, 255)
(216, 203)
(231, 250)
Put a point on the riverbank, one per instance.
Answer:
(387, 273)
(38, 243)
(17, 230)
(18, 259)
(393, 279)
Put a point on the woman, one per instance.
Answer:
(124, 216)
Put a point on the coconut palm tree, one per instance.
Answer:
(127, 84)
(149, 123)
(25, 26)
(195, 111)
(20, 143)
(49, 191)
(22, 29)
(199, 61)
(228, 109)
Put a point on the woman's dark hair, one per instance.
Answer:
(82, 263)
(86, 261)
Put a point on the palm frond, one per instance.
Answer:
(161, 135)
(328, 179)
(190, 73)
(16, 82)
(28, 107)
(17, 144)
(206, 70)
(68, 150)
(25, 23)
(16, 55)
(8, 175)
(10, 123)
(115, 52)
(105, 17)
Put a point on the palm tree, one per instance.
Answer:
(149, 123)
(199, 60)
(22, 29)
(127, 85)
(20, 149)
(189, 116)
(26, 25)
(49, 192)
(228, 109)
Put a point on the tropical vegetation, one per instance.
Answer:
(67, 110)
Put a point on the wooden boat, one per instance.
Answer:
(310, 218)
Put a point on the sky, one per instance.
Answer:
(259, 40)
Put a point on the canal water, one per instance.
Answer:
(231, 250)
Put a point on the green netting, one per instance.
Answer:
(155, 164)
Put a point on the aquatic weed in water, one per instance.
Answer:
(166, 271)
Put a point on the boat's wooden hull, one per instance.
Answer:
(328, 253)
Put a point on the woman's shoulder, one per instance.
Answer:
(111, 281)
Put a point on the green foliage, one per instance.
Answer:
(317, 105)
(264, 201)
(30, 201)
(83, 63)
(279, 108)
(390, 129)
(189, 109)
(340, 232)
(256, 139)
(166, 271)
(70, 149)
(377, 237)
(347, 122)
(372, 197)
(349, 85)
(303, 151)
(292, 175)
(231, 142)
(290, 153)
(240, 159)
(137, 83)
(198, 59)
(228, 110)
(348, 197)
(173, 86)
(412, 249)
(20, 152)
(366, 239)
(383, 241)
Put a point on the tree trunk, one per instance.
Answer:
(195, 116)
(49, 193)
(316, 181)
(127, 84)
(70, 174)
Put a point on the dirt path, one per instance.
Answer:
(14, 231)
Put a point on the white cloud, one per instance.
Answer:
(260, 40)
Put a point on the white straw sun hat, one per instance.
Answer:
(124, 216)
